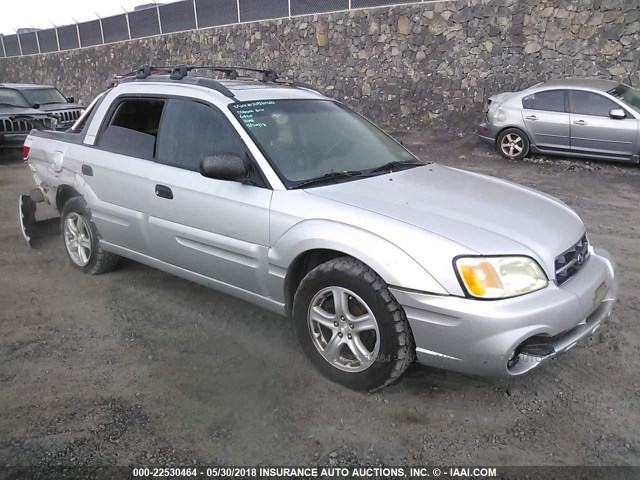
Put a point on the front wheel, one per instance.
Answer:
(81, 240)
(513, 144)
(350, 325)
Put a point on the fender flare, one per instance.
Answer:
(395, 266)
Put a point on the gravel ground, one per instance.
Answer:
(139, 367)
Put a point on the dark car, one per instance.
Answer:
(20, 104)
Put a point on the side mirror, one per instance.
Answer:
(224, 166)
(71, 99)
(617, 113)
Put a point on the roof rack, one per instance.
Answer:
(147, 70)
(181, 72)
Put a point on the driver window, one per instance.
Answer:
(191, 130)
(588, 103)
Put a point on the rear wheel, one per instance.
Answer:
(513, 143)
(81, 240)
(350, 325)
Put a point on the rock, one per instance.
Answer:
(404, 25)
(617, 70)
(611, 48)
(374, 26)
(532, 47)
(609, 5)
(438, 25)
(322, 34)
(513, 391)
(553, 33)
(596, 18)
(547, 12)
(587, 32)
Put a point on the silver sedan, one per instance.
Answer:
(588, 118)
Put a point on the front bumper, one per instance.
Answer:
(486, 132)
(513, 336)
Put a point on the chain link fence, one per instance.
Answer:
(171, 17)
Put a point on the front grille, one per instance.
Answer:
(67, 116)
(22, 126)
(570, 262)
(19, 126)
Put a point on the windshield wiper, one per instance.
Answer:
(388, 167)
(329, 176)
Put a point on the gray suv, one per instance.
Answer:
(587, 118)
(23, 103)
(276, 194)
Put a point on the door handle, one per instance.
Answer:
(579, 122)
(531, 117)
(87, 170)
(163, 191)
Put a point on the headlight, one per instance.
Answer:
(500, 277)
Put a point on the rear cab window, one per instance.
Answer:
(132, 126)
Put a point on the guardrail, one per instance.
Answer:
(173, 17)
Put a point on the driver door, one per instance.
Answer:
(215, 228)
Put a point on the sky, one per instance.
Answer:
(16, 14)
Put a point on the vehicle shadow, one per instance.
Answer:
(45, 231)
(10, 156)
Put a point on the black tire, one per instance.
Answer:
(396, 345)
(519, 140)
(98, 260)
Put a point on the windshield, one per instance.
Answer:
(8, 96)
(305, 139)
(43, 96)
(628, 95)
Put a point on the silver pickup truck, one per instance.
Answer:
(276, 194)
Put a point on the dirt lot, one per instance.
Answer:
(141, 367)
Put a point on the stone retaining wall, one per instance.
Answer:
(407, 65)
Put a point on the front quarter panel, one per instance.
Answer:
(300, 223)
(392, 264)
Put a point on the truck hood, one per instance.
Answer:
(6, 111)
(485, 214)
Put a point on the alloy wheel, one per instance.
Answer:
(77, 239)
(512, 144)
(344, 329)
